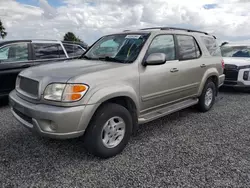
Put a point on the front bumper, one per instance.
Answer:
(239, 82)
(51, 121)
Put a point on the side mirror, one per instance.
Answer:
(156, 59)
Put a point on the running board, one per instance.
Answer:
(166, 110)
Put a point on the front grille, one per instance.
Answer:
(23, 116)
(29, 86)
(231, 75)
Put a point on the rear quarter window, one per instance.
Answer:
(211, 45)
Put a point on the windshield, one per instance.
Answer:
(235, 51)
(123, 48)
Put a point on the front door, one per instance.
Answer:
(13, 59)
(159, 83)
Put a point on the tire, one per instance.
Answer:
(94, 136)
(202, 105)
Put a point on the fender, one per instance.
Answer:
(210, 72)
(109, 92)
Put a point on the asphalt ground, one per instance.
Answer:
(185, 149)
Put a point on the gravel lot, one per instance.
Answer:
(185, 149)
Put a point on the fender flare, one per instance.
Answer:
(209, 73)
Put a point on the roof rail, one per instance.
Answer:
(175, 28)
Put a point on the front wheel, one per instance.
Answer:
(207, 98)
(109, 131)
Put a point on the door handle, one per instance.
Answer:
(174, 70)
(203, 65)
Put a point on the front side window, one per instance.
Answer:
(48, 51)
(211, 46)
(235, 51)
(123, 48)
(163, 44)
(188, 47)
(14, 53)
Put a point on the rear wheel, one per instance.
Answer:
(109, 131)
(207, 98)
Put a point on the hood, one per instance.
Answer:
(239, 61)
(63, 71)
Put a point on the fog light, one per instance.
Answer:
(53, 126)
(246, 75)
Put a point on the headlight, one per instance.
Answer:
(65, 92)
(54, 92)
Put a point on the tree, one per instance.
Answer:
(3, 33)
(71, 37)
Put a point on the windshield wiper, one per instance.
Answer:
(107, 58)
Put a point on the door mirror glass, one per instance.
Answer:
(156, 59)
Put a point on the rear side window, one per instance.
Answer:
(14, 53)
(48, 51)
(187, 47)
(212, 46)
(73, 50)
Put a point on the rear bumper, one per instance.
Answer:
(51, 121)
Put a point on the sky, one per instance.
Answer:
(229, 20)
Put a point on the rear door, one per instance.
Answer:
(13, 59)
(46, 52)
(191, 66)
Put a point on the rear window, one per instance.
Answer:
(211, 45)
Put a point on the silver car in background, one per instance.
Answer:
(237, 64)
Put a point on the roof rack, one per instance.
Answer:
(175, 28)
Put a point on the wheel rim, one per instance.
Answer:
(113, 132)
(208, 97)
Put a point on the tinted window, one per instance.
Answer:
(163, 44)
(48, 51)
(61, 52)
(69, 49)
(212, 46)
(73, 50)
(188, 48)
(14, 53)
(78, 50)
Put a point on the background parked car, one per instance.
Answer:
(17, 55)
(237, 64)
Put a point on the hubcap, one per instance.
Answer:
(208, 97)
(113, 132)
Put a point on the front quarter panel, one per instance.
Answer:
(119, 90)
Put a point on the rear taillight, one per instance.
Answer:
(222, 64)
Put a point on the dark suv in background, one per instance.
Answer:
(17, 55)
